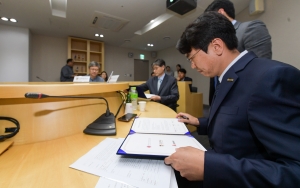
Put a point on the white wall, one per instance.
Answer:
(117, 60)
(282, 20)
(14, 54)
(49, 55)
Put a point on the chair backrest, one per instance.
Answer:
(194, 89)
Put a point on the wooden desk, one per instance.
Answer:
(46, 164)
(51, 118)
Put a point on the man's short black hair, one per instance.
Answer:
(168, 66)
(69, 60)
(182, 70)
(204, 30)
(178, 65)
(224, 4)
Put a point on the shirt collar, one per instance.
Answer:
(162, 77)
(233, 22)
(231, 64)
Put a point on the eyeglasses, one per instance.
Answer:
(96, 70)
(191, 58)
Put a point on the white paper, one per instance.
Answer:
(108, 183)
(81, 79)
(158, 144)
(159, 125)
(148, 96)
(113, 79)
(103, 161)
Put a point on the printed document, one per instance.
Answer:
(103, 161)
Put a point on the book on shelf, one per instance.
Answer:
(157, 137)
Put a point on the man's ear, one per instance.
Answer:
(218, 46)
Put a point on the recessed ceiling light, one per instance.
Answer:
(13, 20)
(148, 44)
(101, 36)
(4, 19)
(151, 45)
(96, 35)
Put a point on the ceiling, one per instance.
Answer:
(36, 15)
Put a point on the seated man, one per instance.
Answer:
(94, 69)
(254, 121)
(182, 77)
(162, 85)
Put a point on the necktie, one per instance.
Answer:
(158, 84)
(216, 92)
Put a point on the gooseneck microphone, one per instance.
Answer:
(40, 79)
(104, 125)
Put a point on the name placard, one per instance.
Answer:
(81, 79)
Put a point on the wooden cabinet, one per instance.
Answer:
(83, 51)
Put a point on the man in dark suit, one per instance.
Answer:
(252, 35)
(66, 73)
(162, 85)
(254, 121)
(182, 77)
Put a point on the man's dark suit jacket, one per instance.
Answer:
(168, 90)
(254, 126)
(252, 36)
(187, 79)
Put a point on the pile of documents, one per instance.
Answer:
(117, 171)
(150, 137)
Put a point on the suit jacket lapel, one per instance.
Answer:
(228, 81)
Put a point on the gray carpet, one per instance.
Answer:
(203, 139)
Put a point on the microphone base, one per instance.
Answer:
(104, 125)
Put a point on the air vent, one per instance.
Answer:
(108, 22)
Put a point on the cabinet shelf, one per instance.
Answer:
(83, 51)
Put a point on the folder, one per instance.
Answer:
(156, 137)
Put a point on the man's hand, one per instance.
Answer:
(187, 118)
(155, 98)
(189, 162)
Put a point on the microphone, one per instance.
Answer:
(40, 79)
(104, 125)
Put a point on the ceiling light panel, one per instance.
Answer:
(154, 23)
(59, 8)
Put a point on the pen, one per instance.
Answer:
(184, 117)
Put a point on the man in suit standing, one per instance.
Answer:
(162, 85)
(66, 73)
(254, 121)
(252, 36)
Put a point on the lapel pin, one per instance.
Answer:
(229, 79)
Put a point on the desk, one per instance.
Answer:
(46, 164)
(51, 118)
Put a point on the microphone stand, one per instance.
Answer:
(103, 125)
(40, 79)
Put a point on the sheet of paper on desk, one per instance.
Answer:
(107, 183)
(159, 125)
(103, 161)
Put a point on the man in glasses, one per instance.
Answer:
(254, 121)
(94, 70)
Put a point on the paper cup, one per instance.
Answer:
(142, 105)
